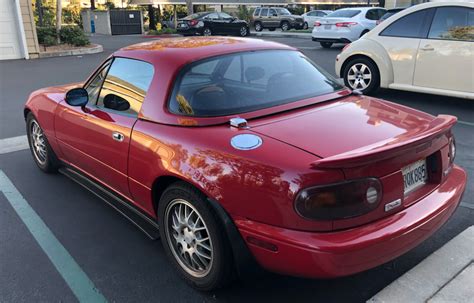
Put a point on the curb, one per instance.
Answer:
(97, 48)
(436, 277)
(281, 35)
(162, 36)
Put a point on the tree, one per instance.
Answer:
(151, 17)
(92, 4)
(189, 6)
(39, 8)
(59, 10)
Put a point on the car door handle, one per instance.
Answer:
(427, 48)
(118, 136)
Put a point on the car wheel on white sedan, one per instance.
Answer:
(193, 237)
(361, 74)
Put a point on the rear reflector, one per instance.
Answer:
(263, 244)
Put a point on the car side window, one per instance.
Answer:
(312, 14)
(126, 85)
(256, 12)
(273, 12)
(409, 26)
(225, 16)
(93, 87)
(213, 16)
(453, 23)
(372, 14)
(321, 14)
(264, 12)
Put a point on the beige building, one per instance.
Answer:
(17, 30)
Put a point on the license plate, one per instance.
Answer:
(327, 26)
(415, 175)
(182, 25)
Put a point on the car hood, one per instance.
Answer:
(339, 127)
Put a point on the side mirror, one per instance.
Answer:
(275, 15)
(77, 97)
(115, 102)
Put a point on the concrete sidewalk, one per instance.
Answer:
(447, 275)
(280, 34)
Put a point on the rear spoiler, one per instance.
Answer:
(387, 149)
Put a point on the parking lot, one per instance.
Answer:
(120, 261)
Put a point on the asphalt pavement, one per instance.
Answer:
(120, 261)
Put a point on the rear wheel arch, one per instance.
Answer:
(244, 262)
(26, 111)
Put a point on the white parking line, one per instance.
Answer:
(13, 144)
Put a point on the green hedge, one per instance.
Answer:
(71, 34)
(74, 35)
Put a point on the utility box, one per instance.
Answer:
(112, 22)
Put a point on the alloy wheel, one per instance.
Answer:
(284, 26)
(188, 238)
(258, 27)
(243, 31)
(207, 32)
(38, 143)
(359, 76)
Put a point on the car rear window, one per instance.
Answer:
(344, 13)
(247, 81)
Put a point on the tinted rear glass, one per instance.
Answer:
(344, 13)
(248, 81)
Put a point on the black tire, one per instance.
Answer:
(372, 85)
(305, 25)
(48, 163)
(206, 31)
(220, 272)
(243, 31)
(326, 44)
(258, 26)
(272, 29)
(285, 26)
(365, 31)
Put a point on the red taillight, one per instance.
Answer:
(193, 22)
(340, 200)
(345, 46)
(316, 24)
(345, 24)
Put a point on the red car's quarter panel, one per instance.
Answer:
(333, 254)
(260, 184)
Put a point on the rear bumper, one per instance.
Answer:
(331, 40)
(341, 253)
(191, 31)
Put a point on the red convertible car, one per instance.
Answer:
(235, 150)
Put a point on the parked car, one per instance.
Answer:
(390, 13)
(212, 23)
(313, 16)
(169, 23)
(216, 146)
(346, 25)
(425, 48)
(275, 17)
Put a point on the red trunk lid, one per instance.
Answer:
(355, 124)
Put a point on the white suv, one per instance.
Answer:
(346, 25)
(426, 48)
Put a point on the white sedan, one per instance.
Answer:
(313, 16)
(346, 25)
(425, 48)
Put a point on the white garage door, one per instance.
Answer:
(9, 31)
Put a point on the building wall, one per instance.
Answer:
(30, 28)
(101, 21)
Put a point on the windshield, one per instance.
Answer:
(247, 81)
(344, 13)
(283, 11)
